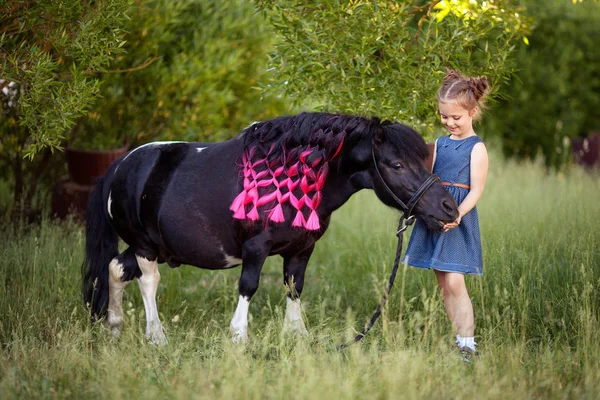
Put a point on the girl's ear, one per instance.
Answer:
(473, 111)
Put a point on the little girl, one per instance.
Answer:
(460, 159)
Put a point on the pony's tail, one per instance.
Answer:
(100, 248)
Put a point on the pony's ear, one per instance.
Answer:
(378, 138)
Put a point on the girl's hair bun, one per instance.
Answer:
(480, 86)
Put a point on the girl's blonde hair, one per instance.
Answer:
(467, 92)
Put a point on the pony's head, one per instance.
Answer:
(400, 154)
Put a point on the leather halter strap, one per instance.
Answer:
(406, 208)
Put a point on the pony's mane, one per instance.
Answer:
(408, 143)
(286, 160)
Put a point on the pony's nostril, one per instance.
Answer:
(448, 206)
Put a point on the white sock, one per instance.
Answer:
(457, 339)
(467, 342)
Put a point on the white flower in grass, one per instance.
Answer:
(175, 319)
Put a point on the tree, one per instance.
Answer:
(387, 58)
(47, 50)
(190, 72)
(556, 93)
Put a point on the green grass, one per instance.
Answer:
(537, 312)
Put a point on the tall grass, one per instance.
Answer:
(537, 312)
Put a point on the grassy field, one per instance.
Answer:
(537, 312)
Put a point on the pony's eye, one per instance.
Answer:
(397, 165)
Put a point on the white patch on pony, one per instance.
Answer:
(199, 149)
(116, 287)
(231, 261)
(239, 322)
(109, 203)
(293, 318)
(148, 283)
(150, 144)
(246, 128)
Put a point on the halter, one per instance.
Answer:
(406, 219)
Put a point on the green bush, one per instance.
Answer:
(47, 52)
(190, 72)
(556, 92)
(387, 58)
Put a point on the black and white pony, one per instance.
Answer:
(270, 190)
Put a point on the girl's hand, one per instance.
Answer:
(451, 225)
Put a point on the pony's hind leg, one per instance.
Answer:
(293, 277)
(121, 270)
(148, 283)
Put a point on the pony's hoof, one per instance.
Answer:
(157, 338)
(295, 327)
(115, 332)
(239, 336)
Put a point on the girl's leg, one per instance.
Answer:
(457, 302)
(441, 280)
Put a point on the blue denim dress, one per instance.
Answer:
(459, 249)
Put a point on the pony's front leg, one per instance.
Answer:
(254, 254)
(148, 283)
(293, 277)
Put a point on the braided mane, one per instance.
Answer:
(286, 160)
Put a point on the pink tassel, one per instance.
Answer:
(277, 214)
(240, 213)
(238, 202)
(313, 222)
(299, 220)
(253, 214)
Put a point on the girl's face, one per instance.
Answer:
(456, 119)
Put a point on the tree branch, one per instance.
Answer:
(117, 71)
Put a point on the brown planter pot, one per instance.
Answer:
(86, 166)
(70, 198)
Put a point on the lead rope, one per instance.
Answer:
(405, 220)
(402, 225)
